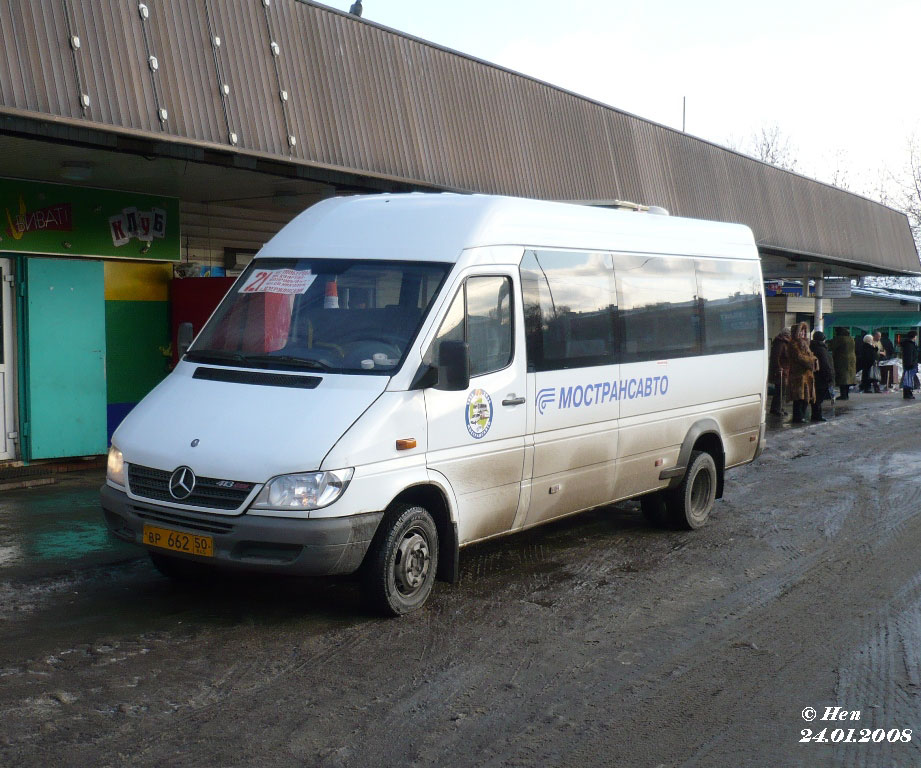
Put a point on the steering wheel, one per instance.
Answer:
(327, 345)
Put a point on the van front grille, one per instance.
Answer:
(209, 492)
(197, 523)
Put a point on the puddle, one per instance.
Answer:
(77, 540)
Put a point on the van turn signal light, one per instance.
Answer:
(406, 443)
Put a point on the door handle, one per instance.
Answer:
(513, 400)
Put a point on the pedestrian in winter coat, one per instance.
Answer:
(802, 372)
(909, 364)
(867, 357)
(824, 376)
(844, 357)
(779, 369)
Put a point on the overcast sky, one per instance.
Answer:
(840, 79)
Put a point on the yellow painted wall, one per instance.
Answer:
(128, 281)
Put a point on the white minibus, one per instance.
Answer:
(394, 377)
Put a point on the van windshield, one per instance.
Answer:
(337, 315)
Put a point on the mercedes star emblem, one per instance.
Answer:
(182, 483)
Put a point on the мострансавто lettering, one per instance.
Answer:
(601, 392)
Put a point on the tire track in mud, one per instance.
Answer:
(882, 676)
(884, 530)
(194, 694)
(792, 663)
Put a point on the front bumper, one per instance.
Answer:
(272, 544)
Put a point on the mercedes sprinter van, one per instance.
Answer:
(394, 377)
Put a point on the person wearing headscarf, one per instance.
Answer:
(824, 376)
(802, 372)
(887, 371)
(867, 357)
(779, 370)
(844, 357)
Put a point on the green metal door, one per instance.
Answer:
(65, 357)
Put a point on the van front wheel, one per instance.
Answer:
(400, 569)
(693, 499)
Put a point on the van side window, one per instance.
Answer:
(489, 323)
(658, 308)
(481, 315)
(570, 309)
(730, 298)
(452, 327)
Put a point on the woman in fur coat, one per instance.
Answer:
(802, 372)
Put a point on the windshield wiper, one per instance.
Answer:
(222, 356)
(299, 362)
(214, 355)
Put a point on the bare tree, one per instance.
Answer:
(880, 188)
(770, 145)
(903, 192)
(910, 198)
(839, 176)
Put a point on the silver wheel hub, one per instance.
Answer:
(411, 564)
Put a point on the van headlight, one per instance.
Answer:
(307, 490)
(115, 467)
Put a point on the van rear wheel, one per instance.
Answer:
(400, 569)
(690, 503)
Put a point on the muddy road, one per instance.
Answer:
(594, 641)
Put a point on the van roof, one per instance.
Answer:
(439, 226)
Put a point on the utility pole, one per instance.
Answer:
(684, 113)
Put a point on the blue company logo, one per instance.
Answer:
(601, 392)
(546, 397)
(478, 413)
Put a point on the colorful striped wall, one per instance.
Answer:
(137, 333)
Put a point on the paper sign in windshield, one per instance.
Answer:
(283, 281)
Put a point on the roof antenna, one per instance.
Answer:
(355, 10)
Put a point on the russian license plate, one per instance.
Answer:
(189, 543)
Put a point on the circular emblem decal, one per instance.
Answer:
(182, 483)
(479, 413)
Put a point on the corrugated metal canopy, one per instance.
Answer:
(303, 85)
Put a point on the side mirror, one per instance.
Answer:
(184, 338)
(453, 366)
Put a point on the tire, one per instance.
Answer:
(177, 569)
(399, 571)
(690, 503)
(655, 509)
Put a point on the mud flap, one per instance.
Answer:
(676, 474)
(448, 554)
